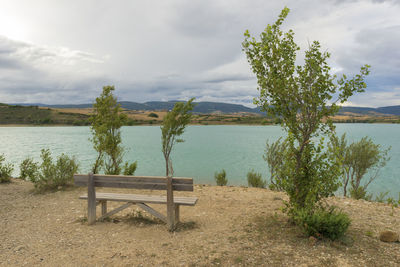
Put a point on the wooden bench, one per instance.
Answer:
(144, 182)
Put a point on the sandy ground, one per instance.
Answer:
(230, 226)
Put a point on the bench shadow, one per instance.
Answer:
(185, 226)
(138, 218)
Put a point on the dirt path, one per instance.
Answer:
(229, 226)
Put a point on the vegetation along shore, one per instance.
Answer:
(17, 115)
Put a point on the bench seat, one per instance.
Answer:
(135, 198)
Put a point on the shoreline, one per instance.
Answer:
(190, 124)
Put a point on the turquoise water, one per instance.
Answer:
(207, 149)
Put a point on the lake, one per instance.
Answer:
(207, 149)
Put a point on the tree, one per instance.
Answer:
(301, 96)
(359, 158)
(106, 121)
(172, 127)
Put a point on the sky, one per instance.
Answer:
(65, 51)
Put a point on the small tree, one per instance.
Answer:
(359, 158)
(172, 127)
(106, 121)
(302, 97)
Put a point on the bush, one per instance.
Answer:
(323, 222)
(254, 180)
(48, 175)
(153, 115)
(129, 169)
(5, 170)
(274, 155)
(28, 169)
(360, 193)
(220, 178)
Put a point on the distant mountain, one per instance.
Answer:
(358, 110)
(200, 107)
(390, 110)
(395, 110)
(211, 107)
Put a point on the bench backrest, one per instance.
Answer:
(135, 182)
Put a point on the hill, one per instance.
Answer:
(10, 114)
(201, 107)
(219, 107)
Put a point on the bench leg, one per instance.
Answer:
(91, 200)
(103, 207)
(176, 214)
(152, 212)
(126, 205)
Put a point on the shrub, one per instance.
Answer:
(274, 156)
(49, 175)
(254, 180)
(153, 115)
(359, 159)
(28, 169)
(323, 222)
(360, 193)
(5, 170)
(129, 169)
(381, 197)
(220, 178)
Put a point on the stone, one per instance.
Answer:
(389, 236)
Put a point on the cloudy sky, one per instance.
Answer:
(64, 51)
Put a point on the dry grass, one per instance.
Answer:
(230, 226)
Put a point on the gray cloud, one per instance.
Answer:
(164, 50)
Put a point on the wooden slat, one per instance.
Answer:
(145, 179)
(126, 205)
(140, 179)
(136, 198)
(152, 212)
(176, 187)
(151, 183)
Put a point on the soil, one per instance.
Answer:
(229, 226)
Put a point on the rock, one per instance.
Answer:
(389, 236)
(19, 248)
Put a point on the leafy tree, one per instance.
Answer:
(359, 158)
(302, 97)
(172, 127)
(106, 122)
